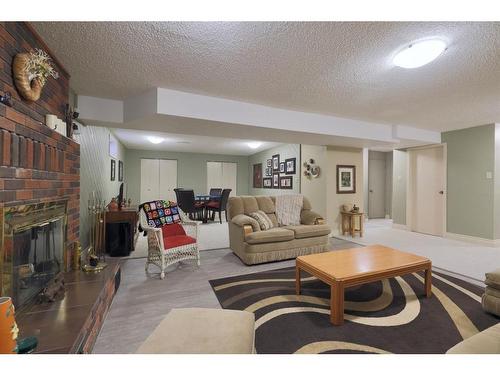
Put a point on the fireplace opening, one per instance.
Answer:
(34, 245)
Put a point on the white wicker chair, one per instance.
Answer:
(162, 258)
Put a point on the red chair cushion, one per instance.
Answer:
(213, 204)
(199, 204)
(172, 230)
(174, 236)
(176, 241)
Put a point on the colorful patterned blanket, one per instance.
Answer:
(160, 213)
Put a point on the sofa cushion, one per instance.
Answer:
(176, 241)
(202, 331)
(492, 292)
(266, 204)
(234, 207)
(304, 243)
(491, 304)
(271, 235)
(306, 231)
(274, 219)
(249, 204)
(485, 342)
(264, 221)
(493, 278)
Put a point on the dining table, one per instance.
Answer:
(205, 198)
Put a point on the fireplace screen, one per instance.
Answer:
(34, 242)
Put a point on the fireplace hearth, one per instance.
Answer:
(33, 251)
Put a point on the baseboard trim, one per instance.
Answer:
(400, 226)
(472, 239)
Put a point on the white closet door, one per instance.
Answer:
(168, 179)
(229, 177)
(214, 175)
(150, 180)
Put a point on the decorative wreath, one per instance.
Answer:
(31, 71)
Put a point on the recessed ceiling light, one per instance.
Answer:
(183, 142)
(154, 140)
(254, 145)
(419, 53)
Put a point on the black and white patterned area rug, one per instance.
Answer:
(389, 316)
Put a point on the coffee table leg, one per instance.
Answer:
(337, 304)
(428, 282)
(297, 279)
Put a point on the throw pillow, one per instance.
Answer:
(160, 213)
(264, 221)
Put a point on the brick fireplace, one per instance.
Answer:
(37, 164)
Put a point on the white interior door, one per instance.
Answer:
(427, 191)
(229, 177)
(150, 180)
(214, 175)
(168, 179)
(376, 188)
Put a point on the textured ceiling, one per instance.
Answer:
(136, 139)
(342, 68)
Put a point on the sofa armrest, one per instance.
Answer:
(308, 217)
(246, 222)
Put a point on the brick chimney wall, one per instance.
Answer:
(37, 164)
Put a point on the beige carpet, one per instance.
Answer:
(210, 236)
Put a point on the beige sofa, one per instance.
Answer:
(253, 245)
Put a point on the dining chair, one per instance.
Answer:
(176, 190)
(188, 204)
(215, 192)
(220, 205)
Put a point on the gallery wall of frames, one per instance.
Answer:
(276, 169)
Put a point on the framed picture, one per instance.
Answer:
(276, 163)
(276, 181)
(269, 172)
(268, 183)
(290, 166)
(346, 179)
(257, 175)
(269, 162)
(282, 167)
(113, 169)
(120, 170)
(286, 182)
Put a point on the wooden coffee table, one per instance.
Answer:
(344, 268)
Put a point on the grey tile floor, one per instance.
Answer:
(143, 301)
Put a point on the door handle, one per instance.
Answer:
(371, 191)
(441, 192)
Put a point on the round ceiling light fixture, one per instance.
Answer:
(254, 145)
(154, 140)
(419, 53)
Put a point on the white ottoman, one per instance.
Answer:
(485, 342)
(202, 331)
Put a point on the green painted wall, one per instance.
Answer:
(470, 203)
(399, 179)
(191, 170)
(285, 152)
(496, 175)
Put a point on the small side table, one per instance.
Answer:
(349, 223)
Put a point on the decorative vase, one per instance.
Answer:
(347, 207)
(113, 205)
(8, 327)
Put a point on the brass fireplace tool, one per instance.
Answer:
(96, 260)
